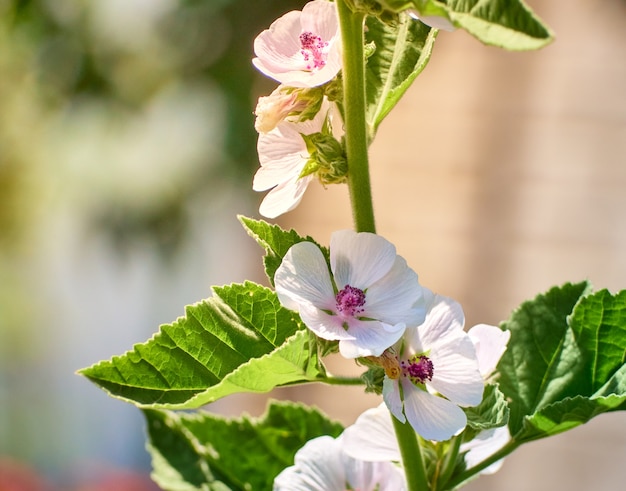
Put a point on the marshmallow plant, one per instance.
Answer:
(453, 403)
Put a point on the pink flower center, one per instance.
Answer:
(350, 301)
(313, 50)
(419, 369)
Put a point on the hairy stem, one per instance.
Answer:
(353, 72)
(412, 459)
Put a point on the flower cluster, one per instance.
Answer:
(299, 128)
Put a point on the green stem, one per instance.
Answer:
(355, 122)
(449, 463)
(333, 380)
(412, 459)
(456, 481)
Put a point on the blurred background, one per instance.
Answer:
(127, 148)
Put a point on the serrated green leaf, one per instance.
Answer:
(275, 241)
(561, 370)
(509, 24)
(566, 414)
(203, 451)
(492, 412)
(599, 326)
(539, 365)
(401, 52)
(240, 340)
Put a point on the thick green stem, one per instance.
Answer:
(412, 459)
(355, 122)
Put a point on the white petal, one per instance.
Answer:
(490, 343)
(324, 325)
(360, 259)
(485, 444)
(373, 476)
(284, 197)
(444, 317)
(455, 371)
(371, 338)
(432, 417)
(303, 278)
(391, 396)
(318, 467)
(396, 297)
(320, 17)
(372, 436)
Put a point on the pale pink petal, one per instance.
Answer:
(324, 325)
(392, 398)
(284, 197)
(360, 259)
(373, 476)
(372, 436)
(303, 278)
(432, 417)
(444, 316)
(490, 343)
(396, 297)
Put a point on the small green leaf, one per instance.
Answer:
(508, 24)
(203, 451)
(240, 340)
(492, 412)
(275, 241)
(401, 52)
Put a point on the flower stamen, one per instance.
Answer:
(419, 369)
(350, 301)
(313, 50)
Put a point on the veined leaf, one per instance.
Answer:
(401, 52)
(203, 451)
(508, 24)
(492, 412)
(240, 340)
(561, 370)
(275, 241)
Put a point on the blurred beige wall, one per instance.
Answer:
(499, 175)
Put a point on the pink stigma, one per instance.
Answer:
(419, 369)
(313, 50)
(350, 301)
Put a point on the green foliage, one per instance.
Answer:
(508, 24)
(401, 52)
(275, 241)
(492, 412)
(240, 340)
(208, 452)
(565, 361)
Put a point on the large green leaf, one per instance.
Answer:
(563, 368)
(239, 340)
(401, 52)
(203, 451)
(275, 241)
(508, 24)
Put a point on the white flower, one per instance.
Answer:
(438, 372)
(301, 49)
(283, 154)
(490, 343)
(321, 465)
(372, 438)
(368, 302)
